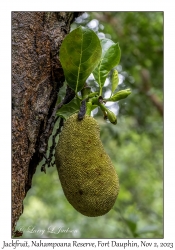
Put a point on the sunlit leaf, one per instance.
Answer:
(115, 80)
(69, 109)
(110, 58)
(80, 53)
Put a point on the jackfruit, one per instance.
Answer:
(87, 175)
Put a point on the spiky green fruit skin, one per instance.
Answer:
(87, 175)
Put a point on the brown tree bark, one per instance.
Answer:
(36, 78)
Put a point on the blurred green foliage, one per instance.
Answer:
(135, 144)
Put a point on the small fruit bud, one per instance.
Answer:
(111, 116)
(119, 95)
(115, 80)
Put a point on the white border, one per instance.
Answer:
(169, 90)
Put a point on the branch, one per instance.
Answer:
(147, 89)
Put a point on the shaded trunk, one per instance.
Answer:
(36, 78)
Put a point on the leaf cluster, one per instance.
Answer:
(81, 54)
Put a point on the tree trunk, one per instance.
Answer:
(36, 78)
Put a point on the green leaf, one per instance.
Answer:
(69, 109)
(80, 53)
(115, 80)
(110, 58)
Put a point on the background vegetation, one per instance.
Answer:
(135, 144)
